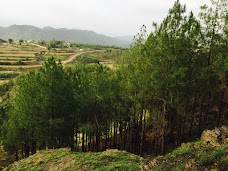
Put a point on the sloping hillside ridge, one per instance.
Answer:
(63, 159)
(209, 153)
(28, 32)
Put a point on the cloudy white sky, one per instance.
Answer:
(109, 17)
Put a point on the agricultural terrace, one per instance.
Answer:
(17, 58)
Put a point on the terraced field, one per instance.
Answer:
(16, 59)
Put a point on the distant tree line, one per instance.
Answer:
(61, 44)
(169, 87)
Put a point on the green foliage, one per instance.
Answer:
(217, 153)
(181, 167)
(39, 56)
(224, 161)
(95, 47)
(8, 75)
(161, 168)
(10, 41)
(208, 158)
(186, 149)
(169, 85)
(86, 59)
(56, 44)
(21, 41)
(204, 159)
(5, 63)
(53, 159)
(19, 62)
(3, 41)
(39, 106)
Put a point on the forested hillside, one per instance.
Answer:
(27, 32)
(170, 86)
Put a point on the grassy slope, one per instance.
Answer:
(209, 153)
(62, 159)
(190, 156)
(193, 156)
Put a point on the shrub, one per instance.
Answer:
(84, 58)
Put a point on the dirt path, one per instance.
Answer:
(72, 57)
(43, 47)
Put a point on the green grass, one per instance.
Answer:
(181, 167)
(62, 159)
(195, 155)
(186, 149)
(161, 168)
(208, 157)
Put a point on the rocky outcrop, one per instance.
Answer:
(216, 137)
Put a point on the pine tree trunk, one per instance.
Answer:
(114, 135)
(125, 136)
(76, 139)
(200, 118)
(178, 130)
(93, 146)
(183, 128)
(83, 141)
(155, 145)
(16, 154)
(86, 142)
(120, 135)
(110, 140)
(90, 141)
(97, 141)
(193, 115)
(130, 136)
(142, 132)
(163, 128)
(163, 138)
(220, 113)
(106, 137)
(207, 110)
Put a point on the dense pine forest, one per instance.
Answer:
(166, 89)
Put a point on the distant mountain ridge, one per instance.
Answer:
(28, 32)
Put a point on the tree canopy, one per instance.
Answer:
(170, 86)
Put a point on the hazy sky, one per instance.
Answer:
(109, 17)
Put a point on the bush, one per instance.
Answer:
(5, 63)
(84, 58)
(19, 62)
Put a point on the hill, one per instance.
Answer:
(27, 32)
(62, 159)
(209, 153)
